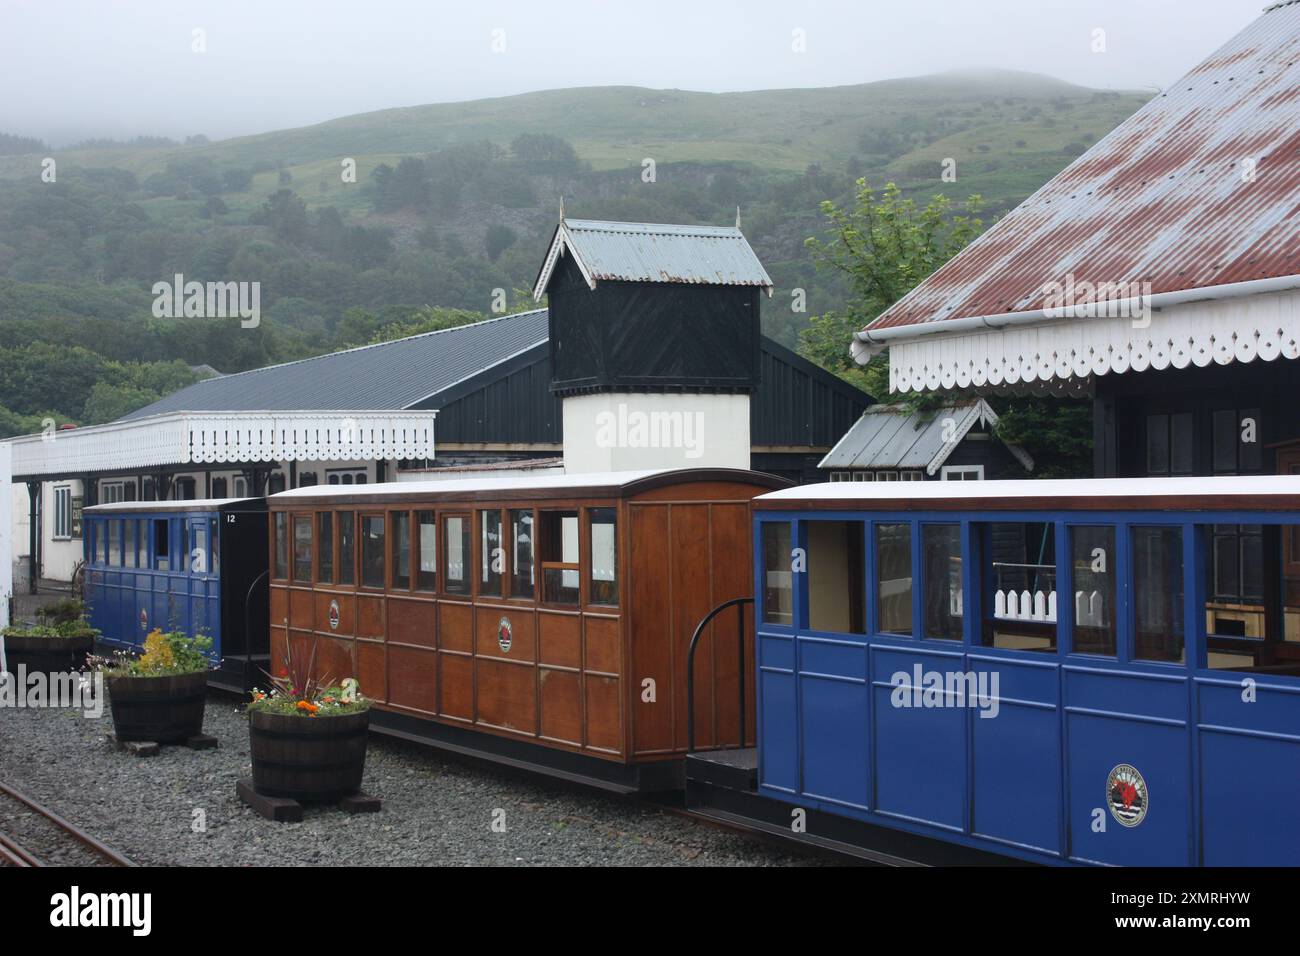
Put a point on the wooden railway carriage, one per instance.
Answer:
(1076, 701)
(539, 621)
(193, 566)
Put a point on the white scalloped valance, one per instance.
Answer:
(1053, 356)
(227, 437)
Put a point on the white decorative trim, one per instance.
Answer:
(1264, 327)
(212, 437)
(982, 413)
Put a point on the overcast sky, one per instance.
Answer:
(76, 68)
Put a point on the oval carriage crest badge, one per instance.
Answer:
(505, 635)
(144, 620)
(1127, 796)
(334, 615)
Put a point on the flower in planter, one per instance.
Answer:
(297, 692)
(166, 654)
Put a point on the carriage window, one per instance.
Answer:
(214, 545)
(604, 556)
(199, 550)
(1252, 597)
(115, 543)
(456, 547)
(1158, 594)
(162, 544)
(894, 578)
(522, 575)
(325, 546)
(347, 547)
(1092, 567)
(372, 551)
(558, 542)
(427, 574)
(835, 576)
(490, 553)
(778, 589)
(941, 574)
(401, 550)
(302, 549)
(281, 532)
(1019, 566)
(128, 543)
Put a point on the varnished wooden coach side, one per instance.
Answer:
(598, 680)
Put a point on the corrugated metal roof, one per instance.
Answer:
(891, 436)
(1162, 199)
(653, 252)
(390, 375)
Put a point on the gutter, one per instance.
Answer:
(868, 343)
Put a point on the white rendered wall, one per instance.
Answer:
(631, 431)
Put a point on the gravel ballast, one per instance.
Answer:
(180, 807)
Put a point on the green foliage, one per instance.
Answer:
(883, 247)
(1057, 432)
(166, 654)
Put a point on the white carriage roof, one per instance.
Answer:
(849, 492)
(525, 482)
(193, 504)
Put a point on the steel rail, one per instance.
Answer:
(72, 830)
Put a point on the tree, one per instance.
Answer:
(883, 247)
(499, 238)
(285, 213)
(544, 150)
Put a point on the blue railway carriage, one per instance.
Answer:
(194, 566)
(1093, 671)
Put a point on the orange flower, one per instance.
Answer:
(308, 706)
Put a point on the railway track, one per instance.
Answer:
(31, 835)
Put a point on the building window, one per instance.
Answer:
(63, 512)
(1235, 438)
(372, 551)
(241, 488)
(778, 589)
(558, 544)
(345, 476)
(962, 473)
(604, 556)
(1171, 444)
(427, 576)
(835, 577)
(1158, 594)
(941, 576)
(183, 489)
(111, 492)
(894, 578)
(276, 484)
(219, 487)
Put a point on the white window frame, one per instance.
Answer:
(948, 470)
(62, 513)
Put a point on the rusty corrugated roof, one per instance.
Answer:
(1162, 199)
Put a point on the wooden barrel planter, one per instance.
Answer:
(308, 758)
(48, 655)
(162, 709)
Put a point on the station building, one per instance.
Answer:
(633, 365)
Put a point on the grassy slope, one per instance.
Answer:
(616, 127)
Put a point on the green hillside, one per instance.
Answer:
(453, 201)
